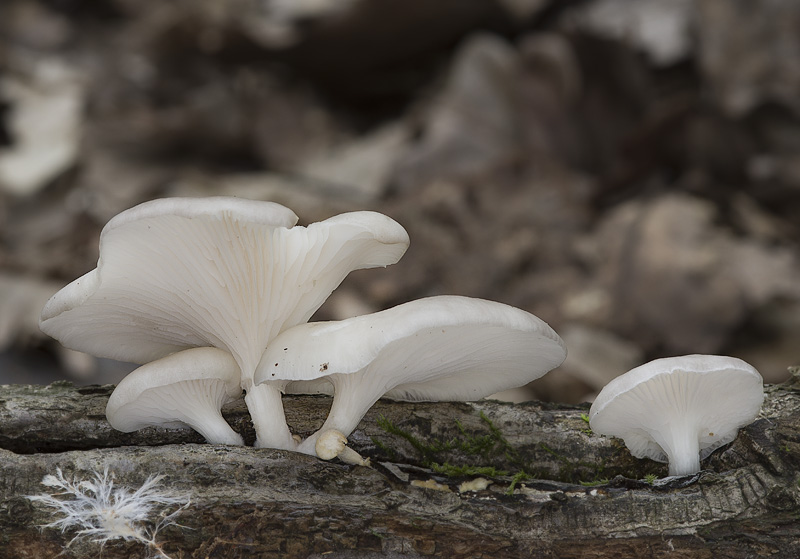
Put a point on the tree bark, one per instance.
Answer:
(584, 495)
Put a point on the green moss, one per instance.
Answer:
(429, 451)
(587, 430)
(390, 452)
(464, 471)
(485, 446)
(650, 478)
(518, 477)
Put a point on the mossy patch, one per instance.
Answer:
(465, 471)
(484, 447)
(486, 450)
(586, 430)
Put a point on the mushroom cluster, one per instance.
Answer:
(213, 297)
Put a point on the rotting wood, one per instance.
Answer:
(248, 502)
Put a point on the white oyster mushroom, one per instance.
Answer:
(679, 409)
(216, 272)
(438, 348)
(187, 388)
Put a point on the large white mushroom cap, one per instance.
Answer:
(679, 409)
(222, 272)
(187, 388)
(438, 348)
(216, 272)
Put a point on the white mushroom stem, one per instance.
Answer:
(350, 456)
(266, 410)
(683, 451)
(223, 436)
(216, 430)
(348, 407)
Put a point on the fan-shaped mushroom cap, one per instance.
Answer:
(187, 388)
(439, 348)
(679, 409)
(221, 272)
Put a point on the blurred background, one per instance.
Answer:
(627, 171)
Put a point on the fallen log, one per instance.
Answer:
(448, 479)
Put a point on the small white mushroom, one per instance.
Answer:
(332, 443)
(216, 272)
(187, 388)
(439, 348)
(679, 409)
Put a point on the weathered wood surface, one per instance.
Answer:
(263, 503)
